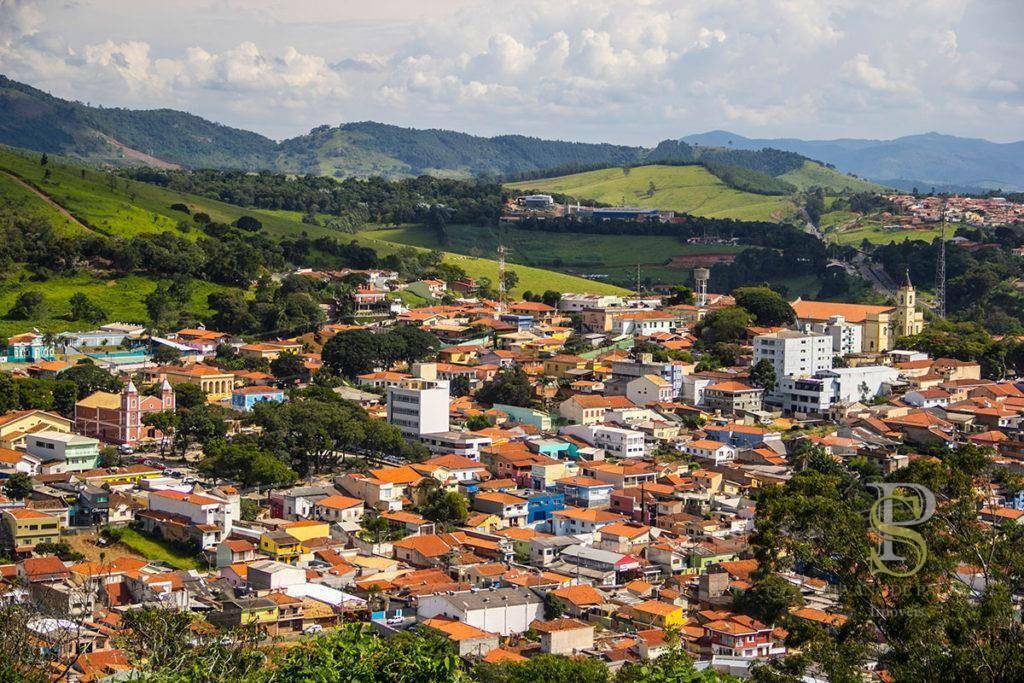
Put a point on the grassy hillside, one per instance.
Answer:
(662, 259)
(813, 174)
(687, 189)
(132, 208)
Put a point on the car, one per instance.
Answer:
(395, 621)
(125, 449)
(313, 628)
(154, 464)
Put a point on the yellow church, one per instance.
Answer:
(881, 326)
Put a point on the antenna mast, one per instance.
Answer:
(501, 279)
(940, 267)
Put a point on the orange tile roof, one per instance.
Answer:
(580, 596)
(339, 502)
(823, 310)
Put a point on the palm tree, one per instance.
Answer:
(49, 341)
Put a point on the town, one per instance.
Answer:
(572, 474)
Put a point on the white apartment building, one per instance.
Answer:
(847, 338)
(794, 353)
(616, 441)
(817, 394)
(200, 509)
(419, 404)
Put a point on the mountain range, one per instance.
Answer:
(33, 119)
(945, 162)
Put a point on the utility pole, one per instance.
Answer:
(501, 279)
(940, 266)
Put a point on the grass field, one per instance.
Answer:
(814, 174)
(157, 550)
(687, 189)
(120, 298)
(131, 208)
(876, 234)
(615, 256)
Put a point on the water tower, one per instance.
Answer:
(700, 281)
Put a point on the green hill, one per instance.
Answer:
(813, 174)
(686, 189)
(100, 203)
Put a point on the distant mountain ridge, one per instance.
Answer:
(926, 160)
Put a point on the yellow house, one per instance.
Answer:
(215, 382)
(483, 522)
(130, 474)
(281, 546)
(558, 366)
(305, 529)
(658, 614)
(27, 528)
(17, 425)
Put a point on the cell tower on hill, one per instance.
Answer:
(940, 266)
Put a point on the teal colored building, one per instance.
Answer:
(528, 416)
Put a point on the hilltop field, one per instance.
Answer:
(79, 201)
(686, 189)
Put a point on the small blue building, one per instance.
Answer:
(541, 506)
(27, 348)
(244, 398)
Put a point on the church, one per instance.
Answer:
(117, 418)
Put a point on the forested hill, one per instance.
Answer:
(33, 119)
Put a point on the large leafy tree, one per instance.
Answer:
(543, 669)
(89, 378)
(723, 325)
(767, 306)
(511, 386)
(245, 462)
(762, 375)
(934, 624)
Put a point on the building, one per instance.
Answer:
(648, 389)
(505, 611)
(733, 397)
(714, 451)
(77, 453)
(27, 348)
(587, 409)
(615, 441)
(565, 636)
(586, 492)
(117, 418)
(794, 353)
(847, 338)
(419, 405)
(17, 425)
(25, 528)
(339, 509)
(529, 416)
(245, 398)
(815, 395)
(671, 372)
(215, 382)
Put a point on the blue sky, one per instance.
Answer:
(632, 72)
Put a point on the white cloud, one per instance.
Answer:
(616, 70)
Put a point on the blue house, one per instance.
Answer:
(28, 348)
(540, 506)
(244, 398)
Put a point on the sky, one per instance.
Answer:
(623, 71)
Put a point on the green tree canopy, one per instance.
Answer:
(768, 307)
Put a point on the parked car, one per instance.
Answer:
(313, 628)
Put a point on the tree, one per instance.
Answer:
(29, 305)
(246, 463)
(459, 386)
(89, 378)
(165, 355)
(510, 386)
(188, 396)
(477, 422)
(164, 421)
(110, 456)
(200, 425)
(543, 669)
(673, 666)
(82, 308)
(18, 486)
(511, 279)
(762, 375)
(351, 353)
(377, 530)
(768, 307)
(288, 366)
(551, 298)
(160, 307)
(446, 508)
(723, 325)
(354, 653)
(43, 160)
(681, 295)
(61, 549)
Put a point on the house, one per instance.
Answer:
(470, 640)
(649, 389)
(714, 451)
(244, 398)
(76, 453)
(452, 469)
(655, 613)
(505, 611)
(586, 492)
(578, 600)
(740, 636)
(427, 550)
(574, 521)
(732, 397)
(624, 537)
(17, 425)
(511, 509)
(189, 517)
(25, 528)
(280, 546)
(117, 418)
(588, 409)
(29, 347)
(232, 551)
(565, 636)
(215, 382)
(339, 509)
